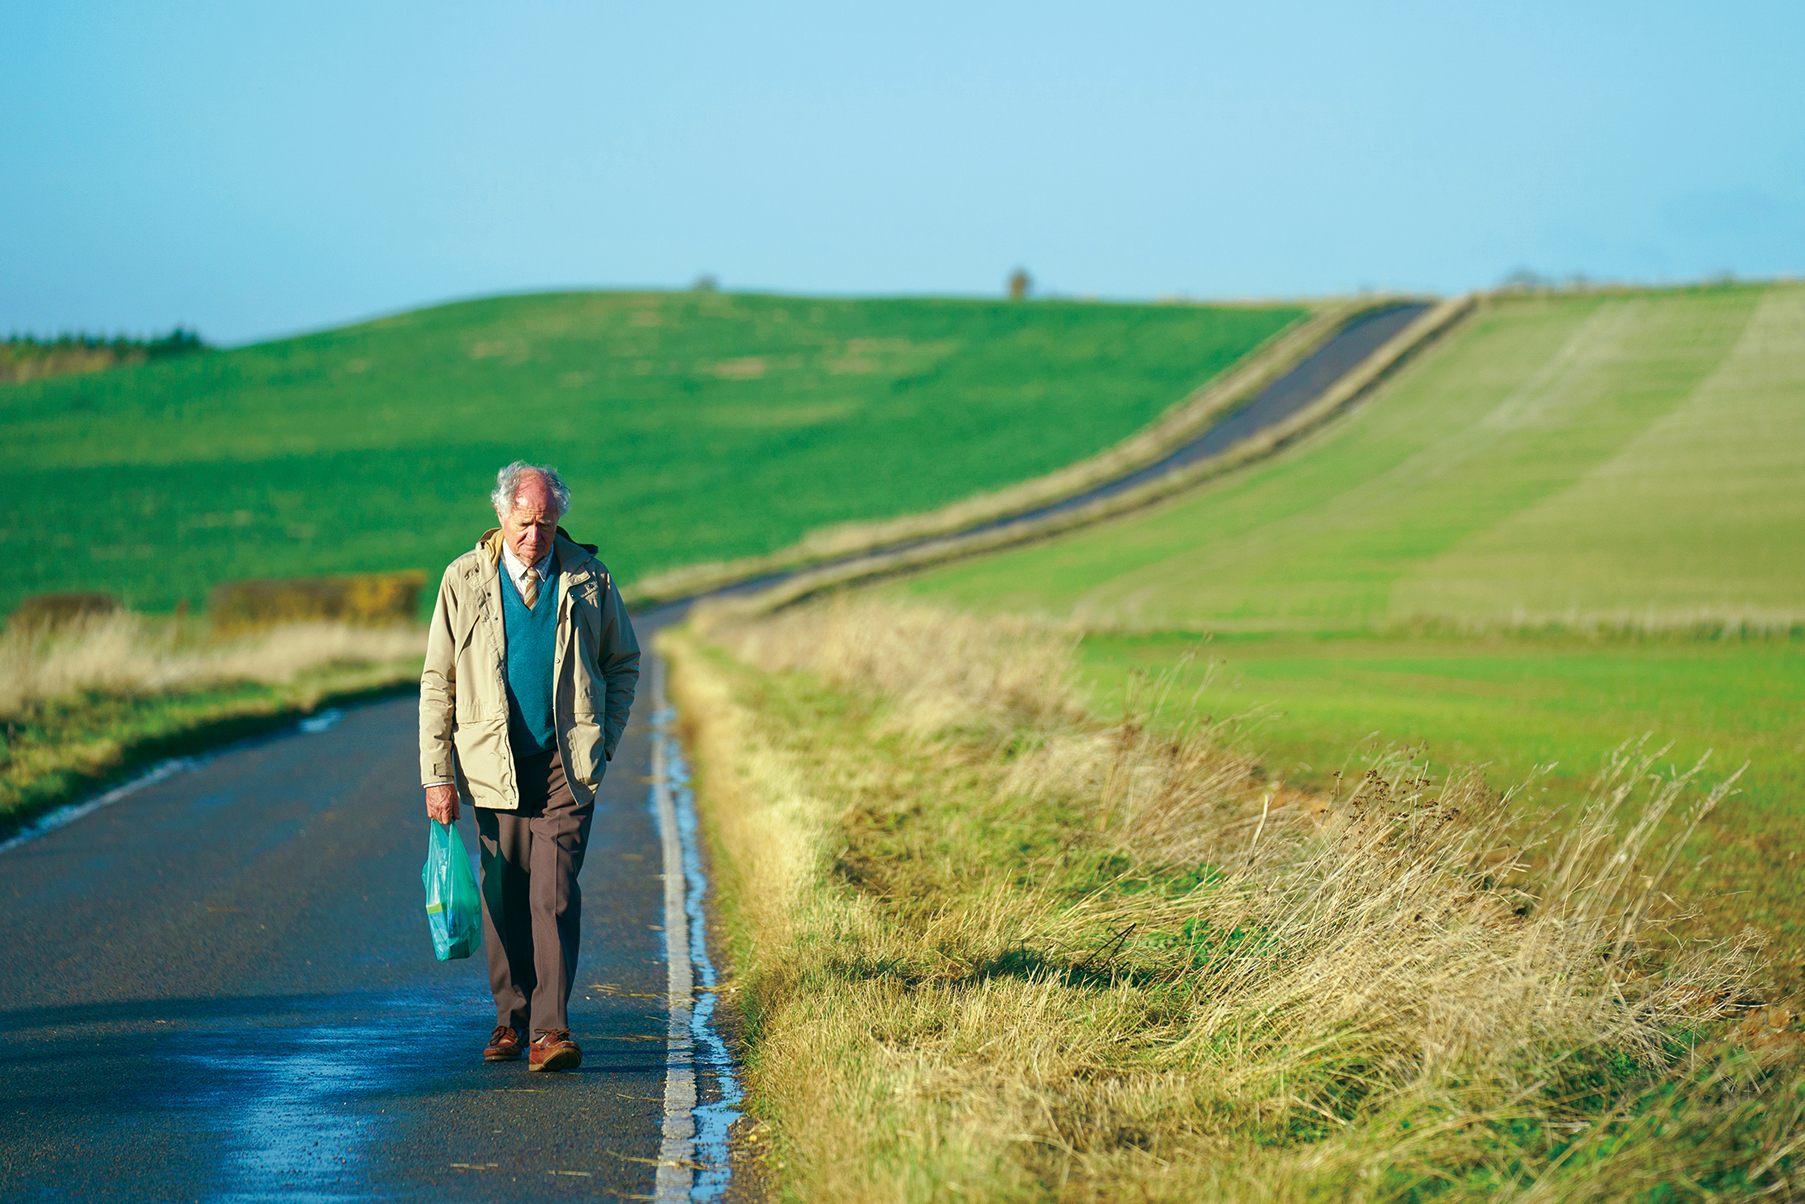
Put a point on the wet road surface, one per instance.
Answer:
(221, 985)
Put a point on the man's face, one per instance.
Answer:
(529, 526)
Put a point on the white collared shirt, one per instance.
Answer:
(517, 567)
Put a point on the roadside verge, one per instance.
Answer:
(992, 944)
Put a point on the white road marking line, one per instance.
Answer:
(676, 1154)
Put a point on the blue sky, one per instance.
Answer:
(253, 169)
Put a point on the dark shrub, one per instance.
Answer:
(356, 598)
(45, 611)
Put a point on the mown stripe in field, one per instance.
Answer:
(1527, 401)
(1688, 516)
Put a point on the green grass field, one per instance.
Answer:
(692, 427)
(1630, 461)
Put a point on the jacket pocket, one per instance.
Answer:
(482, 749)
(586, 760)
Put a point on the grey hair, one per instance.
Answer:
(508, 482)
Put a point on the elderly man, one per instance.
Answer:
(531, 664)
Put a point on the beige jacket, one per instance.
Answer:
(463, 695)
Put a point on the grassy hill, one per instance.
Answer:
(1508, 555)
(691, 427)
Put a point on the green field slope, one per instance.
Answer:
(691, 427)
(1506, 555)
(1632, 458)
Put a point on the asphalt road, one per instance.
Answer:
(220, 986)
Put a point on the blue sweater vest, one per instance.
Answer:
(529, 680)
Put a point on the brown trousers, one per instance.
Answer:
(531, 903)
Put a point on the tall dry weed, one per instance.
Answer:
(944, 669)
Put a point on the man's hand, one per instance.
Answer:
(442, 803)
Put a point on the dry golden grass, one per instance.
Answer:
(132, 654)
(990, 945)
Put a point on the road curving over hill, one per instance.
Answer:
(219, 984)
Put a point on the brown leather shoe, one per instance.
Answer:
(504, 1045)
(553, 1051)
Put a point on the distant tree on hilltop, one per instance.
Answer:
(1525, 280)
(1019, 284)
(30, 356)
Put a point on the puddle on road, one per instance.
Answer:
(292, 1100)
(322, 722)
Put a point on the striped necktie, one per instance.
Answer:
(530, 594)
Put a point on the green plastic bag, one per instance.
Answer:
(454, 909)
